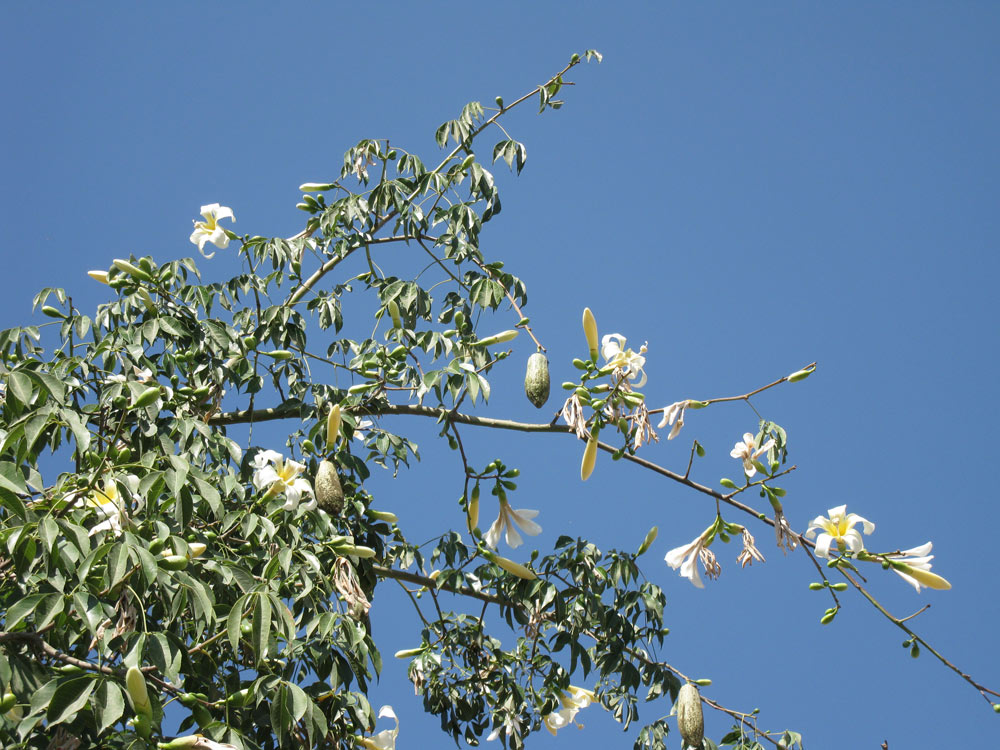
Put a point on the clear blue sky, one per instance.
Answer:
(747, 187)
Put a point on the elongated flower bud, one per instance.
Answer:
(332, 427)
(498, 338)
(316, 187)
(690, 721)
(650, 538)
(589, 459)
(473, 509)
(125, 267)
(178, 743)
(393, 308)
(928, 579)
(101, 276)
(515, 569)
(590, 331)
(137, 694)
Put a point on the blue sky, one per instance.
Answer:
(747, 188)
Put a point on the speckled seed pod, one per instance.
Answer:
(329, 493)
(690, 722)
(536, 379)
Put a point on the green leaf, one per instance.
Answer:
(10, 477)
(21, 609)
(20, 385)
(234, 620)
(70, 696)
(261, 626)
(109, 704)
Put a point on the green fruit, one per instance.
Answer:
(536, 380)
(52, 312)
(690, 721)
(173, 562)
(8, 702)
(147, 397)
(188, 699)
(329, 493)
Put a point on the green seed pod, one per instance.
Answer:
(827, 618)
(728, 483)
(536, 380)
(690, 721)
(147, 397)
(329, 493)
(173, 562)
(190, 700)
(52, 312)
(202, 715)
(155, 546)
(142, 725)
(8, 702)
(279, 354)
(816, 586)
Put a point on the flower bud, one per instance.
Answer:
(798, 375)
(729, 483)
(515, 569)
(589, 459)
(690, 720)
(101, 276)
(393, 309)
(590, 331)
(498, 338)
(125, 267)
(650, 538)
(332, 426)
(406, 653)
(279, 354)
(316, 187)
(138, 696)
(196, 549)
(473, 509)
(178, 743)
(382, 515)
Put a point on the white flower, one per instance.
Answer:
(572, 701)
(839, 528)
(112, 506)
(386, 739)
(507, 521)
(614, 351)
(918, 565)
(361, 429)
(749, 452)
(673, 415)
(209, 230)
(277, 475)
(685, 557)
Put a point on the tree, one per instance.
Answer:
(161, 562)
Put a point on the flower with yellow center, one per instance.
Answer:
(386, 739)
(571, 701)
(209, 230)
(839, 527)
(626, 360)
(279, 475)
(111, 505)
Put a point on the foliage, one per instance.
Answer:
(139, 534)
